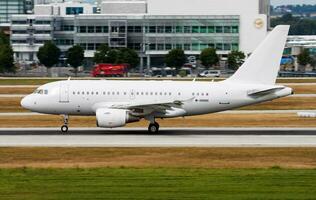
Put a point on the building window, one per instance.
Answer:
(168, 29)
(91, 29)
(179, 29)
(152, 29)
(235, 47)
(82, 29)
(64, 42)
(42, 22)
(227, 47)
(19, 32)
(227, 29)
(195, 29)
(84, 46)
(168, 46)
(211, 45)
(98, 29)
(105, 29)
(219, 46)
(161, 47)
(187, 29)
(42, 32)
(130, 29)
(219, 29)
(235, 29)
(160, 29)
(91, 46)
(74, 10)
(179, 46)
(187, 47)
(152, 47)
(67, 28)
(203, 46)
(195, 46)
(19, 42)
(138, 29)
(211, 29)
(19, 22)
(203, 29)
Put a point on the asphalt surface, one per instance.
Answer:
(167, 137)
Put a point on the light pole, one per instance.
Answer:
(143, 48)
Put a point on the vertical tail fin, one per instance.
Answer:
(263, 65)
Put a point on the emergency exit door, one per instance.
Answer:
(64, 93)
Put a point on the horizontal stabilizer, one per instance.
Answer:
(259, 93)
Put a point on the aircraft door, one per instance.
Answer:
(64, 92)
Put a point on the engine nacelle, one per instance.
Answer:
(112, 118)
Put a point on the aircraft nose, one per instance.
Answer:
(26, 102)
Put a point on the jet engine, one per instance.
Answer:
(112, 118)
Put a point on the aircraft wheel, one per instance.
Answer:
(153, 128)
(64, 129)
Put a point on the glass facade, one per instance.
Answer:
(161, 33)
(151, 36)
(10, 7)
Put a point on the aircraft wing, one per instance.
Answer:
(145, 107)
(263, 92)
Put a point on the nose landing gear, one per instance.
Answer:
(64, 128)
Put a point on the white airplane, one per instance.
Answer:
(116, 103)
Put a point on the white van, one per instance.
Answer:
(210, 73)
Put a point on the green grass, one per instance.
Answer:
(159, 183)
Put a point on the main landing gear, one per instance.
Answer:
(153, 128)
(64, 128)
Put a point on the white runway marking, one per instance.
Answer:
(168, 137)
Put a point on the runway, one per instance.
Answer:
(168, 137)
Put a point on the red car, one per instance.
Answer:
(110, 70)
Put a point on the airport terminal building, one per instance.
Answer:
(151, 27)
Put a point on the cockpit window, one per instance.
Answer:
(40, 91)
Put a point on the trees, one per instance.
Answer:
(48, 55)
(209, 57)
(235, 59)
(304, 58)
(116, 56)
(101, 55)
(6, 54)
(6, 59)
(299, 26)
(4, 39)
(75, 57)
(128, 56)
(175, 58)
(112, 56)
